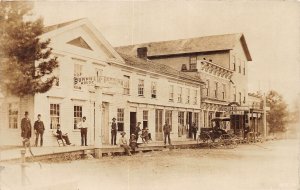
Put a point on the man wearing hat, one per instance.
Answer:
(26, 132)
(39, 130)
(114, 132)
(123, 143)
(26, 128)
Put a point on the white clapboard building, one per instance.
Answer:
(98, 82)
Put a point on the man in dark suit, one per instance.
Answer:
(167, 131)
(114, 132)
(26, 131)
(39, 129)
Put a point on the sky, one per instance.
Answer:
(271, 29)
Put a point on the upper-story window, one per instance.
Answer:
(234, 62)
(141, 87)
(195, 97)
(193, 62)
(187, 95)
(207, 88)
(77, 73)
(216, 89)
(56, 74)
(171, 93)
(224, 92)
(179, 100)
(153, 89)
(240, 98)
(234, 94)
(240, 66)
(244, 68)
(126, 85)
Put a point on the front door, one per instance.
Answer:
(105, 124)
(158, 125)
(189, 122)
(132, 122)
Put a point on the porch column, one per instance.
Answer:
(97, 125)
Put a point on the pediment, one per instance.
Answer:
(80, 42)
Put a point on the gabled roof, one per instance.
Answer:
(60, 25)
(191, 45)
(156, 67)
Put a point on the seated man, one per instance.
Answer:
(60, 135)
(132, 142)
(145, 135)
(123, 143)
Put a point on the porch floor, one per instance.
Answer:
(14, 152)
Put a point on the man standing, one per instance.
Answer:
(137, 131)
(167, 130)
(195, 129)
(26, 131)
(82, 125)
(114, 132)
(39, 129)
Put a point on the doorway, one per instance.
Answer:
(132, 122)
(189, 122)
(158, 125)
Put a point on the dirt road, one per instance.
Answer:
(262, 166)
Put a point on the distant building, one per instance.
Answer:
(220, 61)
(96, 81)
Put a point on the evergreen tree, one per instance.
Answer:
(26, 62)
(277, 116)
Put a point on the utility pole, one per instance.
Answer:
(264, 116)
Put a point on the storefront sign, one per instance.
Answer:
(98, 81)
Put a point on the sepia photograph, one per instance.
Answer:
(150, 94)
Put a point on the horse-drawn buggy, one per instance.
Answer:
(219, 135)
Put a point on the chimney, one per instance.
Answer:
(142, 52)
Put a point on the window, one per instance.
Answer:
(187, 95)
(193, 62)
(216, 89)
(205, 118)
(99, 75)
(77, 73)
(244, 68)
(54, 115)
(56, 74)
(126, 85)
(120, 119)
(196, 97)
(181, 127)
(13, 115)
(168, 117)
(234, 61)
(224, 92)
(196, 119)
(207, 88)
(77, 115)
(145, 119)
(210, 116)
(171, 93)
(234, 94)
(141, 87)
(240, 98)
(244, 101)
(153, 89)
(179, 100)
(240, 67)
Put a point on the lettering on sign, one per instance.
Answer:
(100, 80)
